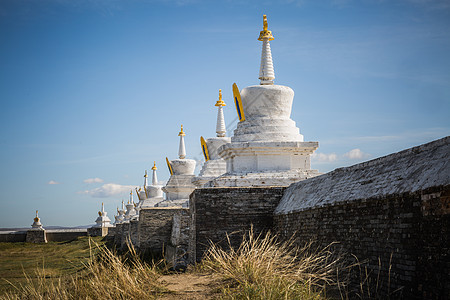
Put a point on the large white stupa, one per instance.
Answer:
(214, 165)
(180, 185)
(267, 148)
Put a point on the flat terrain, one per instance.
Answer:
(52, 260)
(67, 258)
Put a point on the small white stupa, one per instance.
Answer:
(214, 165)
(154, 193)
(120, 214)
(131, 211)
(103, 219)
(267, 148)
(37, 223)
(179, 186)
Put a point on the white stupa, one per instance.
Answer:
(103, 219)
(37, 223)
(152, 194)
(131, 211)
(180, 185)
(267, 148)
(120, 214)
(214, 165)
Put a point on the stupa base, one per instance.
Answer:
(259, 179)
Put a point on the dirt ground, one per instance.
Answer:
(190, 286)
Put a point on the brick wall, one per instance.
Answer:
(216, 212)
(409, 231)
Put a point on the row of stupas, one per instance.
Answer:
(266, 149)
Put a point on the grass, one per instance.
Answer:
(99, 274)
(51, 260)
(263, 268)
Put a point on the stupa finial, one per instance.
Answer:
(182, 148)
(266, 71)
(220, 125)
(181, 132)
(154, 178)
(220, 101)
(266, 33)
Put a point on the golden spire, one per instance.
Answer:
(220, 101)
(99, 213)
(37, 217)
(154, 166)
(266, 33)
(145, 174)
(181, 132)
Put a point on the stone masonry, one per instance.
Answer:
(156, 225)
(218, 212)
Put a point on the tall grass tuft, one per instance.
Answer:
(105, 276)
(263, 268)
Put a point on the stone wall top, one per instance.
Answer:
(410, 170)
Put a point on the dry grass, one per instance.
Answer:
(106, 276)
(263, 268)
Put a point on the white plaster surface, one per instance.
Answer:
(410, 170)
(183, 166)
(267, 110)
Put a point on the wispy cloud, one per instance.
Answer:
(323, 157)
(356, 154)
(53, 182)
(93, 180)
(108, 190)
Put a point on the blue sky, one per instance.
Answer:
(92, 92)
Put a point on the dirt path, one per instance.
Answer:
(190, 286)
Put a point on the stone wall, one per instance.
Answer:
(216, 212)
(393, 211)
(36, 236)
(122, 235)
(64, 234)
(155, 227)
(13, 237)
(405, 238)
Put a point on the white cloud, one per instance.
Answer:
(356, 154)
(53, 182)
(322, 157)
(93, 180)
(108, 190)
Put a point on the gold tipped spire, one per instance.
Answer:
(181, 132)
(145, 174)
(220, 101)
(99, 213)
(266, 33)
(154, 166)
(37, 217)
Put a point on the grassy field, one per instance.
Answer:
(261, 268)
(52, 259)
